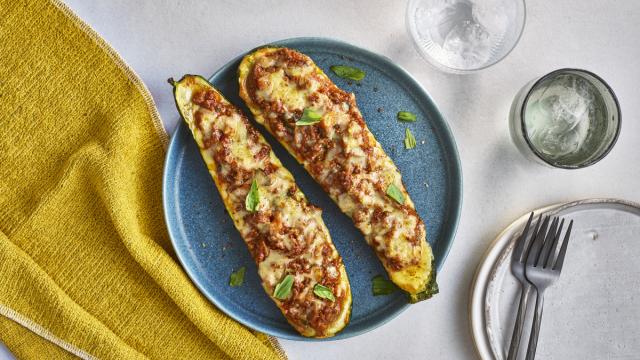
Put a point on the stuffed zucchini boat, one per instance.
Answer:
(297, 262)
(321, 126)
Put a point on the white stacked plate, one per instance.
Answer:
(592, 312)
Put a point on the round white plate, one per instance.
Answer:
(592, 312)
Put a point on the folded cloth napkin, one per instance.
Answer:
(86, 266)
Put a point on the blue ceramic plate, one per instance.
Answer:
(210, 248)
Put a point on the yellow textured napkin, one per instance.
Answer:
(86, 266)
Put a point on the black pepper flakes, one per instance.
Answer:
(380, 109)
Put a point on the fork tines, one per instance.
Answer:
(543, 252)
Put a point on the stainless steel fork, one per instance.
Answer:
(543, 269)
(518, 259)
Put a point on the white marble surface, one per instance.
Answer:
(167, 38)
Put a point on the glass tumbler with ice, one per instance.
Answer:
(569, 118)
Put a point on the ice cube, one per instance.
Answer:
(570, 107)
(559, 118)
(463, 33)
(492, 15)
(469, 41)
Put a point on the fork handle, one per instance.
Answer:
(517, 327)
(535, 327)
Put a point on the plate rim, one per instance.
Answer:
(453, 210)
(486, 264)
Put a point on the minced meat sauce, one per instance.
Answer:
(301, 247)
(339, 152)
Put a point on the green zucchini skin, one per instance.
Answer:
(432, 288)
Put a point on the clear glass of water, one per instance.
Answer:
(462, 36)
(569, 118)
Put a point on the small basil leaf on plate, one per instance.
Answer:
(409, 139)
(324, 292)
(253, 197)
(237, 277)
(348, 72)
(406, 116)
(283, 289)
(309, 117)
(382, 286)
(395, 193)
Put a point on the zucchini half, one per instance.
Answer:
(284, 233)
(280, 86)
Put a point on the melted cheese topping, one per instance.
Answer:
(286, 235)
(341, 154)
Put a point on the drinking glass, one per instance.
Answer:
(569, 119)
(462, 36)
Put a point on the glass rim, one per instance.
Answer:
(590, 162)
(454, 70)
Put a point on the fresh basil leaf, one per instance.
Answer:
(382, 286)
(309, 117)
(395, 193)
(283, 290)
(409, 140)
(237, 277)
(324, 292)
(253, 197)
(348, 72)
(406, 116)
